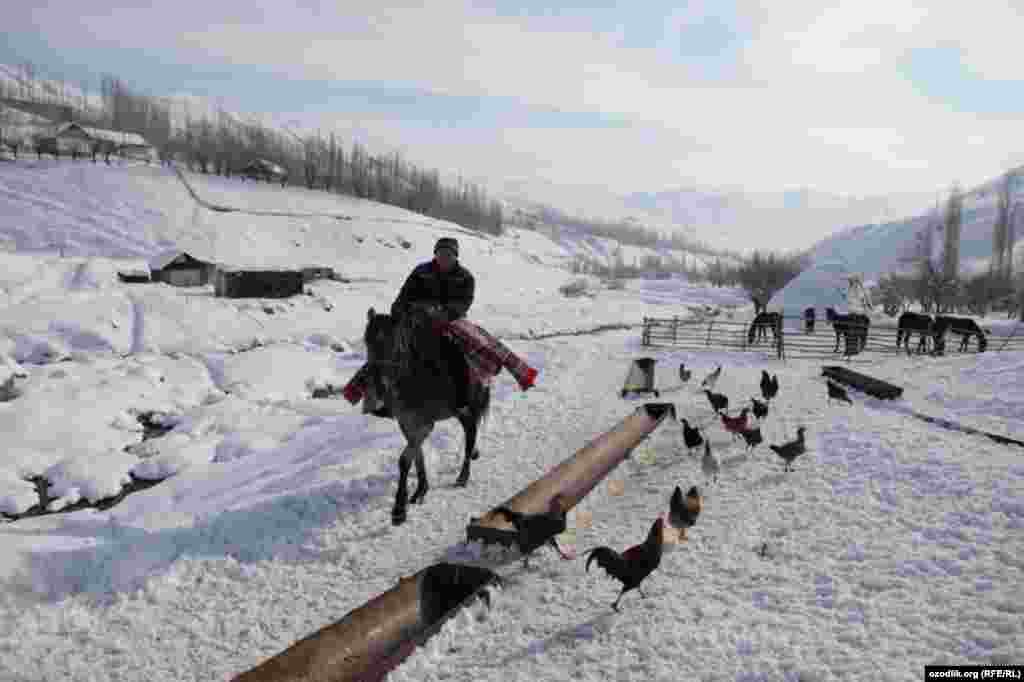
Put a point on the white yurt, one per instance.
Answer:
(825, 284)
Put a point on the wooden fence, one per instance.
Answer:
(794, 342)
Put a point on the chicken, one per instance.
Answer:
(760, 408)
(718, 401)
(683, 511)
(709, 463)
(534, 530)
(766, 385)
(634, 565)
(691, 436)
(791, 450)
(711, 379)
(684, 374)
(735, 425)
(837, 392)
(752, 437)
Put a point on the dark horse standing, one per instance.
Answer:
(852, 327)
(911, 323)
(420, 388)
(763, 322)
(964, 327)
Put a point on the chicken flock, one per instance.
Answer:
(633, 565)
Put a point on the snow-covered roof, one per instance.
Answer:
(165, 258)
(114, 136)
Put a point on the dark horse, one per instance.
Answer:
(911, 323)
(419, 376)
(762, 322)
(852, 327)
(964, 327)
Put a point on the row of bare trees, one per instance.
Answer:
(222, 143)
(936, 284)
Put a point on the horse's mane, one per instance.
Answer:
(415, 344)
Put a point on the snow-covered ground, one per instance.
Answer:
(893, 543)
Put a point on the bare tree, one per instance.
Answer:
(1000, 228)
(951, 243)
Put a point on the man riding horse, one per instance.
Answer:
(445, 289)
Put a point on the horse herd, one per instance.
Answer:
(854, 327)
(934, 329)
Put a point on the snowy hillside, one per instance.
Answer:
(784, 220)
(260, 514)
(875, 249)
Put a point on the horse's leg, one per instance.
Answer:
(471, 428)
(398, 512)
(422, 485)
(470, 425)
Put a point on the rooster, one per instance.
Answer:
(711, 379)
(709, 463)
(634, 565)
(773, 387)
(837, 392)
(684, 374)
(683, 511)
(752, 437)
(718, 401)
(791, 450)
(736, 425)
(534, 530)
(691, 436)
(760, 408)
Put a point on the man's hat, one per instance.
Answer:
(447, 243)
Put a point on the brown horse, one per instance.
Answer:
(419, 378)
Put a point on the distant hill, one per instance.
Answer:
(875, 249)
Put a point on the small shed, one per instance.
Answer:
(315, 272)
(246, 283)
(262, 169)
(181, 269)
(77, 137)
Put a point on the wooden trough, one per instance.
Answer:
(372, 640)
(575, 477)
(862, 382)
(886, 391)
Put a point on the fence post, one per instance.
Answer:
(710, 325)
(645, 338)
(675, 330)
(782, 336)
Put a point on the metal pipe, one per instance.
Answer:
(576, 476)
(370, 641)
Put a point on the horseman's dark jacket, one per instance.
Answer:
(453, 290)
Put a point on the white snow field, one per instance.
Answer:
(892, 544)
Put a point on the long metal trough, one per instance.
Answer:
(575, 477)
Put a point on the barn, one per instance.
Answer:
(181, 269)
(315, 272)
(263, 283)
(84, 139)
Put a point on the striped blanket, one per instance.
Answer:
(485, 354)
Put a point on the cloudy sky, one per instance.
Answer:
(857, 98)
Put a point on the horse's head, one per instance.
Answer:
(379, 335)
